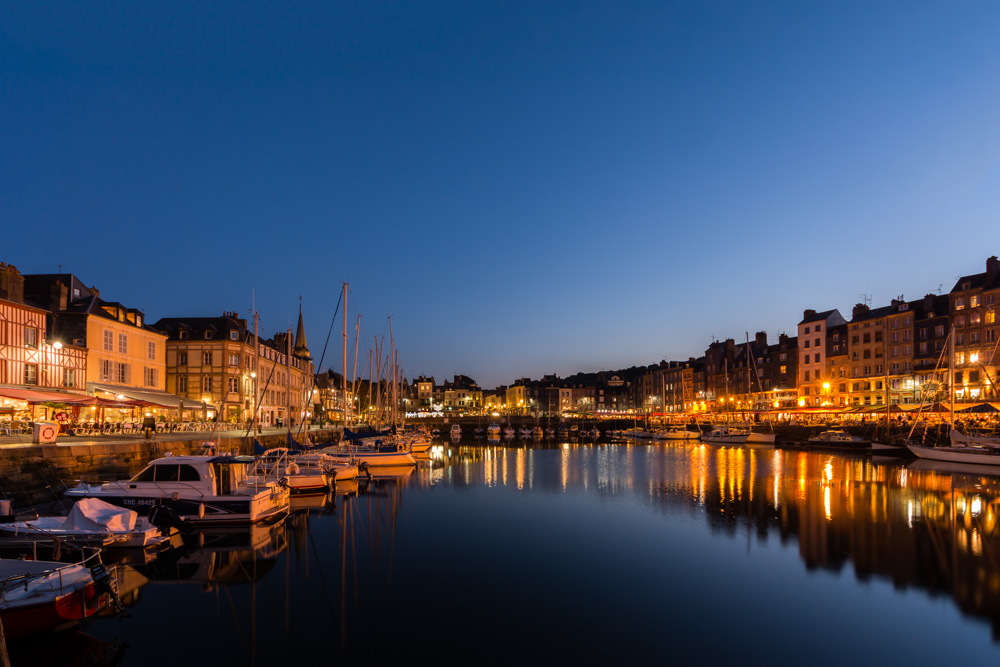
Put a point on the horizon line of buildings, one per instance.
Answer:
(893, 354)
(58, 334)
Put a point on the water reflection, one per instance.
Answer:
(427, 548)
(925, 525)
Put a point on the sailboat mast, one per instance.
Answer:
(392, 351)
(347, 413)
(951, 376)
(256, 372)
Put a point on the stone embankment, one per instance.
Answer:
(32, 474)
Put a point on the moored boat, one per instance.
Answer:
(202, 489)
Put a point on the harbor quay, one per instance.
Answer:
(31, 474)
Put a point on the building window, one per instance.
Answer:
(106, 370)
(31, 337)
(816, 357)
(234, 335)
(151, 350)
(234, 385)
(182, 384)
(974, 301)
(208, 335)
(234, 359)
(109, 340)
(206, 383)
(208, 358)
(807, 329)
(807, 345)
(123, 373)
(69, 377)
(991, 317)
(31, 374)
(939, 330)
(149, 377)
(182, 335)
(182, 358)
(783, 370)
(122, 343)
(959, 304)
(806, 377)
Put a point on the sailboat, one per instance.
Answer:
(962, 448)
(726, 435)
(755, 437)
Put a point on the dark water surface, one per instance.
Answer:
(655, 554)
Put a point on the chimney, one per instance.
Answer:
(58, 296)
(11, 283)
(859, 309)
(782, 339)
(806, 314)
(992, 269)
(760, 338)
(928, 305)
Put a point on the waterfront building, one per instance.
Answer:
(973, 305)
(899, 345)
(784, 363)
(329, 403)
(516, 399)
(215, 362)
(836, 385)
(867, 332)
(31, 357)
(932, 326)
(124, 355)
(720, 384)
(813, 379)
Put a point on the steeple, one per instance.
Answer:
(301, 349)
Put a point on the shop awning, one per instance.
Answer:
(159, 399)
(37, 396)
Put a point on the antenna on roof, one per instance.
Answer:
(865, 299)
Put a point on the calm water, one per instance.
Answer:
(586, 553)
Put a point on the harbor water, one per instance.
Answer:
(561, 553)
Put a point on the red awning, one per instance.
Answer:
(36, 396)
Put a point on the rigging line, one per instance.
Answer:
(333, 322)
(259, 402)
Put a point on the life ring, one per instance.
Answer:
(47, 432)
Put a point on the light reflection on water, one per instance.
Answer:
(574, 552)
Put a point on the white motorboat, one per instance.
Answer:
(95, 522)
(726, 435)
(493, 431)
(304, 473)
(678, 433)
(537, 432)
(837, 437)
(202, 489)
(759, 438)
(525, 432)
(456, 431)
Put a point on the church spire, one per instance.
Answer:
(301, 348)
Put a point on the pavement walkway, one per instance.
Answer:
(24, 440)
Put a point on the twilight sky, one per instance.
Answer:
(525, 187)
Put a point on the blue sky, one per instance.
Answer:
(526, 187)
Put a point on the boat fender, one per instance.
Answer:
(201, 510)
(292, 468)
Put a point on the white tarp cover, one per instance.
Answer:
(95, 514)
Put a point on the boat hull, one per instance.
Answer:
(957, 454)
(218, 510)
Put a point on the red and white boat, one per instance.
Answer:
(37, 596)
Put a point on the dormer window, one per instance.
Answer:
(208, 335)
(182, 335)
(234, 335)
(966, 285)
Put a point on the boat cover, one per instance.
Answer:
(95, 514)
